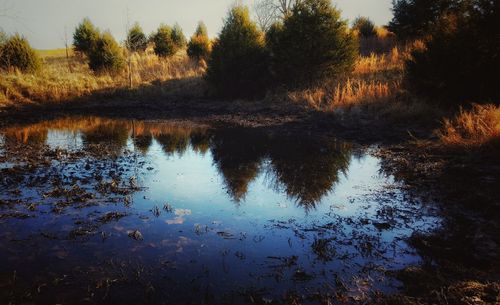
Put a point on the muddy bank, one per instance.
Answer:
(272, 115)
(461, 258)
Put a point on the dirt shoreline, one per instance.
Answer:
(277, 116)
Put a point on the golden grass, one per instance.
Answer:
(62, 80)
(394, 60)
(475, 128)
(345, 94)
(370, 82)
(374, 87)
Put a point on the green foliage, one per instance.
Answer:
(106, 54)
(136, 40)
(178, 37)
(364, 26)
(199, 46)
(312, 44)
(164, 46)
(416, 18)
(85, 36)
(239, 62)
(16, 52)
(461, 60)
(201, 29)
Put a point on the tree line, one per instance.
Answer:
(296, 43)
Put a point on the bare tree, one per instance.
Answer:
(265, 14)
(268, 12)
(66, 45)
(285, 6)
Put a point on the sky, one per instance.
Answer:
(45, 22)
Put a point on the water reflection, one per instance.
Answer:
(305, 168)
(185, 214)
(311, 170)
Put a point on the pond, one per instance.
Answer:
(96, 210)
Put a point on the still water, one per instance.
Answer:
(95, 210)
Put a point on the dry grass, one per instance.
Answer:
(62, 80)
(374, 87)
(478, 127)
(383, 42)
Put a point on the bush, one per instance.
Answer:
(461, 59)
(414, 19)
(85, 36)
(164, 46)
(312, 44)
(16, 52)
(201, 29)
(106, 54)
(178, 37)
(136, 40)
(199, 46)
(238, 65)
(364, 27)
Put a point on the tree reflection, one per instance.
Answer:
(174, 142)
(200, 141)
(113, 133)
(238, 153)
(307, 169)
(143, 142)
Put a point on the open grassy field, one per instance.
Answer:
(63, 80)
(55, 53)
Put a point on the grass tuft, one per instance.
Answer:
(475, 128)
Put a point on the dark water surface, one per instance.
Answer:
(95, 210)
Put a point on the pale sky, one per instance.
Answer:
(43, 22)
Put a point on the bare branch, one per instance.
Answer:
(266, 14)
(269, 11)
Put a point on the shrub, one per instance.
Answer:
(414, 19)
(201, 29)
(461, 59)
(364, 27)
(164, 46)
(85, 36)
(199, 45)
(136, 40)
(106, 54)
(16, 52)
(238, 64)
(178, 37)
(313, 43)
